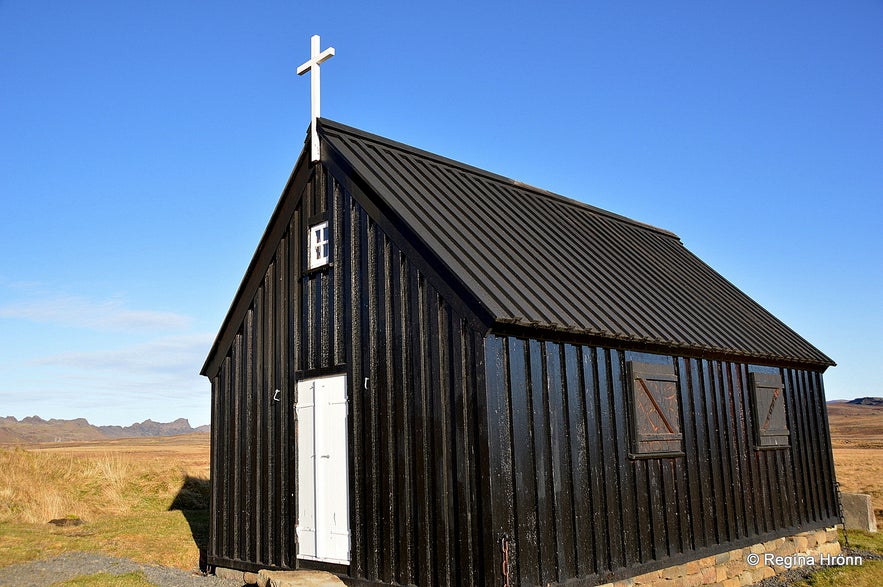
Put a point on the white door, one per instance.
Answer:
(323, 531)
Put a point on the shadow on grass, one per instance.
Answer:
(193, 501)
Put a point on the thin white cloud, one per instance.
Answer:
(156, 379)
(167, 356)
(110, 362)
(82, 312)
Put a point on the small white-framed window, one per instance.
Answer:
(319, 246)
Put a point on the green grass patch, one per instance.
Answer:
(136, 579)
(154, 537)
(870, 574)
(864, 541)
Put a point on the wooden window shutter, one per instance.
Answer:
(655, 410)
(768, 400)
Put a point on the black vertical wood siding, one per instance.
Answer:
(464, 445)
(251, 464)
(253, 459)
(575, 505)
(413, 364)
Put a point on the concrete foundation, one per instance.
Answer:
(297, 579)
(267, 578)
(858, 512)
(742, 566)
(242, 576)
(745, 566)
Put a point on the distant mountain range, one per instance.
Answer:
(867, 401)
(36, 429)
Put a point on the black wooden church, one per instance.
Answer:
(434, 375)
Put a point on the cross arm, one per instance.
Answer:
(322, 57)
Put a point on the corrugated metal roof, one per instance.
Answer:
(536, 258)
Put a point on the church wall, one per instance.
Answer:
(413, 360)
(252, 467)
(469, 452)
(570, 500)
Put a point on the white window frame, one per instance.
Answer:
(318, 245)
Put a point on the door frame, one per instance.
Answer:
(341, 427)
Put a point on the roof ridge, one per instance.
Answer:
(328, 124)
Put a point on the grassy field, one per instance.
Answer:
(105, 580)
(147, 498)
(856, 426)
(857, 438)
(869, 574)
(144, 499)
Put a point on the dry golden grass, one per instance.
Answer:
(122, 490)
(38, 487)
(860, 470)
(190, 449)
(857, 438)
(856, 426)
(89, 480)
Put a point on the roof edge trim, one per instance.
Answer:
(248, 283)
(519, 328)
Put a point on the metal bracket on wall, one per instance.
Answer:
(276, 395)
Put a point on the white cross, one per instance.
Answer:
(312, 64)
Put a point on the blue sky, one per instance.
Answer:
(143, 147)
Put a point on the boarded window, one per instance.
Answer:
(655, 410)
(768, 399)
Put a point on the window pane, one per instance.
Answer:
(318, 245)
